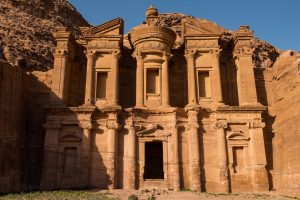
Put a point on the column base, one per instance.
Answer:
(254, 104)
(192, 106)
(142, 107)
(167, 108)
(112, 106)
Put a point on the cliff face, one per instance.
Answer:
(284, 107)
(26, 30)
(26, 40)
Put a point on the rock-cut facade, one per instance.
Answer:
(159, 107)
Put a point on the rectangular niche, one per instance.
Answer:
(204, 84)
(70, 161)
(238, 159)
(152, 81)
(101, 92)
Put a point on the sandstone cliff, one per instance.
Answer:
(284, 107)
(26, 30)
(26, 40)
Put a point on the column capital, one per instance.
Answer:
(215, 52)
(166, 55)
(137, 55)
(221, 125)
(60, 53)
(85, 125)
(113, 125)
(134, 127)
(190, 53)
(116, 54)
(90, 54)
(242, 51)
(192, 126)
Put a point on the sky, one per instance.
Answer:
(275, 21)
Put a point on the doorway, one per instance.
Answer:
(154, 168)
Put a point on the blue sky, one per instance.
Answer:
(276, 21)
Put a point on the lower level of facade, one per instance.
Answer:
(197, 149)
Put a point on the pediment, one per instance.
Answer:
(198, 27)
(237, 135)
(111, 28)
(70, 137)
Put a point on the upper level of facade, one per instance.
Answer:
(154, 66)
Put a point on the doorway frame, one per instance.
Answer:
(141, 159)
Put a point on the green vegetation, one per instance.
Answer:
(133, 197)
(58, 195)
(185, 190)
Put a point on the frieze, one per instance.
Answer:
(202, 43)
(153, 45)
(103, 45)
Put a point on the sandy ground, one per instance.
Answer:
(182, 195)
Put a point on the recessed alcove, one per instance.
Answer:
(101, 92)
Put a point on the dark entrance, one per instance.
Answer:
(154, 168)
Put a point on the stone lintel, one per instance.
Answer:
(249, 108)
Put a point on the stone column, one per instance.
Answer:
(50, 168)
(89, 86)
(115, 77)
(176, 175)
(222, 156)
(217, 86)
(131, 160)
(111, 154)
(246, 80)
(245, 70)
(139, 81)
(192, 93)
(59, 84)
(165, 81)
(194, 154)
(86, 153)
(258, 157)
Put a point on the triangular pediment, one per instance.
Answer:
(112, 27)
(197, 27)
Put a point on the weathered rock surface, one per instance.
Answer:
(284, 106)
(26, 30)
(26, 40)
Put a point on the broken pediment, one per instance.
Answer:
(70, 136)
(200, 27)
(237, 135)
(111, 28)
